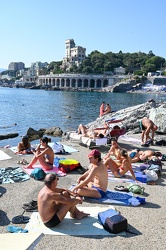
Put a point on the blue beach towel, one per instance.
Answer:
(119, 198)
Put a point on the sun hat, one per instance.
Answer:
(95, 153)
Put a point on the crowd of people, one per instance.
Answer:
(54, 202)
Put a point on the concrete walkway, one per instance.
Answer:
(148, 221)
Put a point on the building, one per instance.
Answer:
(119, 71)
(16, 66)
(74, 55)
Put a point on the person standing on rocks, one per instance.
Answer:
(147, 126)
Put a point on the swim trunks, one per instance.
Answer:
(101, 192)
(119, 174)
(54, 221)
(142, 126)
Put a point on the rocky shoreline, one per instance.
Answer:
(131, 117)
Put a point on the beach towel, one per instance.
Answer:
(12, 175)
(119, 198)
(14, 150)
(130, 139)
(140, 176)
(87, 226)
(127, 178)
(4, 156)
(66, 148)
(54, 170)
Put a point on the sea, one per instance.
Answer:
(23, 108)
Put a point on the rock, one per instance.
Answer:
(7, 136)
(35, 134)
(158, 115)
(133, 115)
(54, 131)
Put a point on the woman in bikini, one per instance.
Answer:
(114, 152)
(44, 154)
(137, 155)
(24, 147)
(120, 171)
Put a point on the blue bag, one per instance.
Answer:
(112, 221)
(38, 174)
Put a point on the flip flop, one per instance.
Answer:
(121, 188)
(20, 219)
(13, 229)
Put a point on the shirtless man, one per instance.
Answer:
(114, 151)
(93, 183)
(54, 203)
(124, 168)
(147, 126)
(44, 154)
(107, 109)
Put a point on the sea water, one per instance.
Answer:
(65, 109)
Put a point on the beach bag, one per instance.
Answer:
(67, 165)
(58, 148)
(136, 189)
(112, 221)
(38, 174)
(155, 164)
(151, 175)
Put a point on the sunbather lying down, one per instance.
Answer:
(91, 133)
(139, 155)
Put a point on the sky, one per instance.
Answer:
(36, 30)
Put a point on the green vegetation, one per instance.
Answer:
(138, 63)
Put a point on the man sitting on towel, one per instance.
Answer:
(54, 203)
(93, 183)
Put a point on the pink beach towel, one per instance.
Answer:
(54, 170)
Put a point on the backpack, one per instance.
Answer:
(112, 221)
(136, 189)
(38, 174)
(67, 165)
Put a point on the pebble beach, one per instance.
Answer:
(148, 221)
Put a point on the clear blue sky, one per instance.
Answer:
(36, 30)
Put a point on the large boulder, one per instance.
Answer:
(54, 131)
(35, 134)
(158, 116)
(132, 116)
